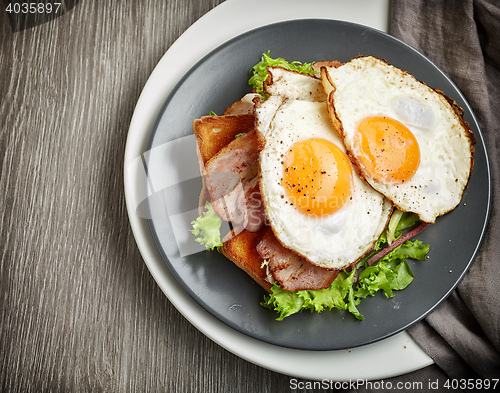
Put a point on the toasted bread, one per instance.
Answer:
(242, 250)
(214, 132)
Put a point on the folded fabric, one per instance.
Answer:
(463, 38)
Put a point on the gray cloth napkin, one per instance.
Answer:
(463, 38)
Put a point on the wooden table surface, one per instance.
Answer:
(79, 309)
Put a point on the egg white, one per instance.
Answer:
(366, 87)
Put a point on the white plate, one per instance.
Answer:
(394, 356)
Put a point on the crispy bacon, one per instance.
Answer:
(250, 203)
(243, 106)
(233, 183)
(290, 270)
(327, 63)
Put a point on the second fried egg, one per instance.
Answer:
(409, 141)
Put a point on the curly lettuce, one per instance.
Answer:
(207, 228)
(337, 295)
(390, 273)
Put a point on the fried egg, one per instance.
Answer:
(314, 200)
(408, 140)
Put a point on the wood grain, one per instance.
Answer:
(80, 312)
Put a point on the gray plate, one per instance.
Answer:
(227, 292)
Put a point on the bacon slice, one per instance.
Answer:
(233, 182)
(243, 106)
(290, 270)
(327, 63)
(237, 161)
(251, 203)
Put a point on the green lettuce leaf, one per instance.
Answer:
(259, 72)
(403, 277)
(287, 303)
(390, 273)
(207, 228)
(284, 302)
(410, 249)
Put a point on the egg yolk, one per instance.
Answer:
(389, 150)
(317, 176)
